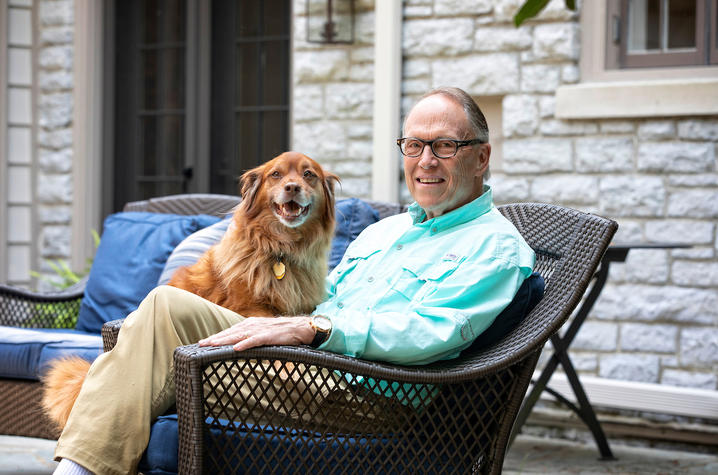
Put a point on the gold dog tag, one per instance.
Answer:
(279, 270)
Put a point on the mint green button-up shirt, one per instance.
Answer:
(412, 291)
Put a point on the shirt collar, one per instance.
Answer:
(460, 215)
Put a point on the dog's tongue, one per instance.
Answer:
(291, 208)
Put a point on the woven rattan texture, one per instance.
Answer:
(21, 413)
(462, 427)
(216, 205)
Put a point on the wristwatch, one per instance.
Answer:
(322, 328)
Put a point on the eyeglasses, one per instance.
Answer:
(441, 148)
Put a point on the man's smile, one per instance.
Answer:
(429, 180)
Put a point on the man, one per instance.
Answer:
(412, 289)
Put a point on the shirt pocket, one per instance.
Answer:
(354, 262)
(418, 277)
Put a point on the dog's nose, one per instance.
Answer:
(292, 187)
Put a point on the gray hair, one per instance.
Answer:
(476, 118)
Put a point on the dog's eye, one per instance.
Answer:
(276, 174)
(308, 174)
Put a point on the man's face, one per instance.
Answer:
(440, 185)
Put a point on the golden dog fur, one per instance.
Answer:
(286, 216)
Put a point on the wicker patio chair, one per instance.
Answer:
(448, 417)
(21, 412)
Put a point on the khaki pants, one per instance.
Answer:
(130, 386)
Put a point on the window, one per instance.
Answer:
(661, 33)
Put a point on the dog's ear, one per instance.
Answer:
(328, 183)
(249, 184)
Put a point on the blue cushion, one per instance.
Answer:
(132, 253)
(353, 215)
(25, 352)
(190, 250)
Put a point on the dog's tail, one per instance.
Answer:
(61, 386)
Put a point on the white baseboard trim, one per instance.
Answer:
(647, 397)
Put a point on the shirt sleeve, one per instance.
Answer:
(437, 326)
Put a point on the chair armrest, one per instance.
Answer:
(29, 309)
(110, 330)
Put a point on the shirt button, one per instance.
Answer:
(399, 247)
(340, 305)
(370, 279)
(433, 230)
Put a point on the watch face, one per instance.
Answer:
(322, 323)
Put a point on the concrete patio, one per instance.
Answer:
(530, 454)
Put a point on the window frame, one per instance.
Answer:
(628, 60)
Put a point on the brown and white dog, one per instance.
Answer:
(271, 261)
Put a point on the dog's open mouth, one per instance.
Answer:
(291, 210)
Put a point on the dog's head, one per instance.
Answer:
(293, 187)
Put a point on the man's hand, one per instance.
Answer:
(263, 331)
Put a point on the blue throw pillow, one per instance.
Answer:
(129, 260)
(353, 215)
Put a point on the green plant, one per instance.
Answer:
(531, 8)
(62, 270)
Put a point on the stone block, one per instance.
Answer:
(362, 72)
(414, 68)
(699, 347)
(55, 81)
(596, 336)
(320, 66)
(491, 74)
(565, 189)
(694, 181)
(56, 57)
(638, 368)
(355, 187)
(55, 110)
(494, 39)
(547, 106)
(537, 156)
(570, 74)
(19, 66)
(416, 86)
(508, 190)
(639, 196)
(56, 241)
(55, 214)
(540, 78)
(642, 266)
(566, 127)
(438, 37)
(56, 35)
(650, 303)
(689, 379)
(629, 231)
(693, 204)
(520, 115)
(657, 130)
(584, 361)
(361, 151)
(648, 338)
(19, 106)
(418, 11)
(308, 102)
(358, 130)
(57, 13)
(694, 253)
(556, 42)
(19, 26)
(604, 155)
(54, 189)
(698, 130)
(326, 139)
(55, 139)
(19, 224)
(363, 54)
(617, 127)
(364, 27)
(685, 231)
(18, 265)
(52, 161)
(698, 274)
(462, 7)
(684, 157)
(349, 101)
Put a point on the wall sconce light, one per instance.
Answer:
(330, 21)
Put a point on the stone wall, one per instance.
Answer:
(54, 129)
(333, 100)
(657, 319)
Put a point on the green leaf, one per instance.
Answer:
(529, 9)
(571, 4)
